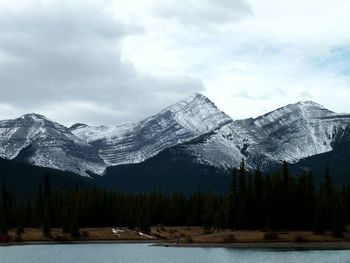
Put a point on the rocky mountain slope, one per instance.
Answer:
(136, 142)
(194, 126)
(291, 133)
(35, 139)
(87, 149)
(337, 161)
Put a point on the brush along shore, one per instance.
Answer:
(186, 236)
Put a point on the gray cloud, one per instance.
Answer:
(60, 54)
(246, 95)
(198, 13)
(305, 95)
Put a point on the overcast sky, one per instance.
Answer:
(111, 61)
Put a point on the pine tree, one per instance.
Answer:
(74, 229)
(232, 201)
(241, 202)
(258, 196)
(4, 212)
(328, 183)
(242, 180)
(338, 224)
(47, 206)
(3, 225)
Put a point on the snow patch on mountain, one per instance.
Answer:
(136, 142)
(37, 140)
(290, 134)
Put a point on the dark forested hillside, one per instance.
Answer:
(172, 170)
(23, 179)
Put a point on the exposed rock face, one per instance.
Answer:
(37, 140)
(208, 135)
(136, 142)
(291, 133)
(81, 148)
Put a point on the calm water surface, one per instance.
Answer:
(134, 253)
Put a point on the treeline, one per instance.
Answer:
(282, 201)
(255, 201)
(101, 208)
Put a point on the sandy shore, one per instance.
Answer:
(24, 243)
(183, 236)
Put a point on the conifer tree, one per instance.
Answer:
(232, 200)
(258, 196)
(5, 211)
(47, 207)
(3, 215)
(241, 202)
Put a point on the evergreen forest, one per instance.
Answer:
(254, 201)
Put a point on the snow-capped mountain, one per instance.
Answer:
(198, 129)
(81, 148)
(136, 142)
(291, 133)
(37, 140)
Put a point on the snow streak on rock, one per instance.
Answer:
(37, 140)
(136, 142)
(291, 133)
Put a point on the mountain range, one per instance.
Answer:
(191, 140)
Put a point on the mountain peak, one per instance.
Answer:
(195, 98)
(302, 105)
(136, 142)
(198, 96)
(34, 117)
(35, 139)
(289, 133)
(311, 109)
(300, 110)
(198, 113)
(310, 103)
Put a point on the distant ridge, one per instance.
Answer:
(205, 134)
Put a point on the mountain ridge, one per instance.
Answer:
(37, 140)
(290, 133)
(84, 149)
(136, 142)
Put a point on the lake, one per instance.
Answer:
(144, 253)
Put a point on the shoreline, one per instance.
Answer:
(77, 242)
(184, 236)
(284, 245)
(277, 245)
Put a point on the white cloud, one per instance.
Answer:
(112, 61)
(56, 52)
(274, 54)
